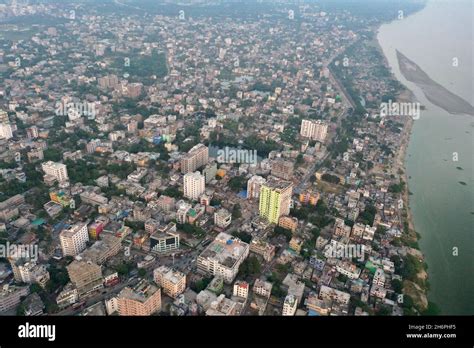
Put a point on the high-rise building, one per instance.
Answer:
(197, 157)
(143, 299)
(194, 185)
(73, 239)
(275, 199)
(314, 129)
(253, 186)
(56, 170)
(223, 257)
(171, 281)
(86, 276)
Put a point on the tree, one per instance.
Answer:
(237, 183)
(384, 311)
(299, 159)
(407, 302)
(200, 284)
(251, 266)
(278, 230)
(368, 215)
(236, 213)
(243, 236)
(397, 286)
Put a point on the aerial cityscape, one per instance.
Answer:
(233, 158)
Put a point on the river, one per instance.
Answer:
(440, 156)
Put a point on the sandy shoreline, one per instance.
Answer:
(433, 91)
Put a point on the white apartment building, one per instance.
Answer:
(379, 277)
(111, 305)
(223, 257)
(289, 306)
(6, 131)
(222, 218)
(314, 129)
(241, 289)
(56, 170)
(73, 240)
(194, 185)
(262, 288)
(31, 272)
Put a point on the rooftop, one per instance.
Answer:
(226, 249)
(140, 292)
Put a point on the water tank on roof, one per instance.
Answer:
(229, 241)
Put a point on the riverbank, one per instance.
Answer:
(418, 291)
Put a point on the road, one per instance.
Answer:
(98, 297)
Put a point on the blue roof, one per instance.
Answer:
(242, 194)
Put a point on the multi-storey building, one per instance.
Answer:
(143, 299)
(210, 172)
(56, 170)
(32, 132)
(288, 222)
(275, 199)
(328, 293)
(262, 288)
(241, 289)
(86, 276)
(289, 305)
(314, 129)
(6, 131)
(29, 272)
(223, 257)
(309, 197)
(253, 186)
(194, 185)
(10, 296)
(282, 169)
(260, 247)
(165, 239)
(103, 249)
(197, 157)
(222, 218)
(67, 296)
(73, 239)
(171, 281)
